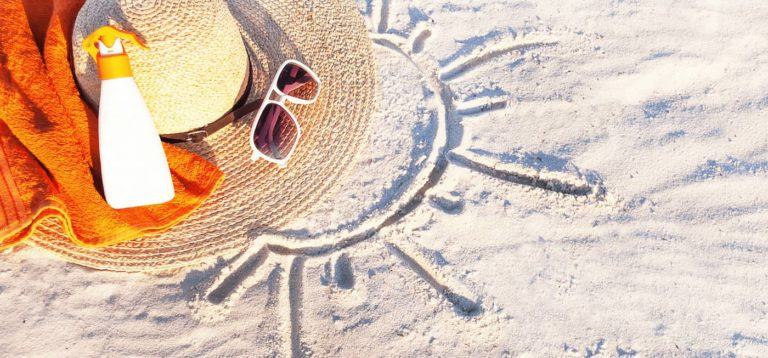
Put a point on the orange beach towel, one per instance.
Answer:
(48, 142)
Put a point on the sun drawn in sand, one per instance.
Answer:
(279, 260)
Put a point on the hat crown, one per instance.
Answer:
(196, 65)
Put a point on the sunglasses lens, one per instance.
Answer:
(276, 132)
(294, 81)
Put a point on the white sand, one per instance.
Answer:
(599, 187)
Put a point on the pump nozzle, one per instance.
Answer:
(107, 36)
(106, 47)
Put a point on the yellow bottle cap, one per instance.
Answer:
(113, 65)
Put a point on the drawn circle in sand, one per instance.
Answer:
(400, 144)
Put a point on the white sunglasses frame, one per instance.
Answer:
(282, 98)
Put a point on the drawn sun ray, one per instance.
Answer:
(462, 65)
(380, 15)
(461, 300)
(556, 181)
(230, 284)
(270, 252)
(295, 299)
(482, 104)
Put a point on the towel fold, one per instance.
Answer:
(49, 144)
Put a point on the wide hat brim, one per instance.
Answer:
(331, 38)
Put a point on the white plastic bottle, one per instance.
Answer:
(134, 168)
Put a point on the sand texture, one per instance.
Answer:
(542, 179)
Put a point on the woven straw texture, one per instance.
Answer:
(194, 68)
(330, 37)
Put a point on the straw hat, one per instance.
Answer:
(194, 73)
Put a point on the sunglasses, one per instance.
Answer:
(275, 132)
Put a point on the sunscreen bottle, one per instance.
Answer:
(134, 168)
